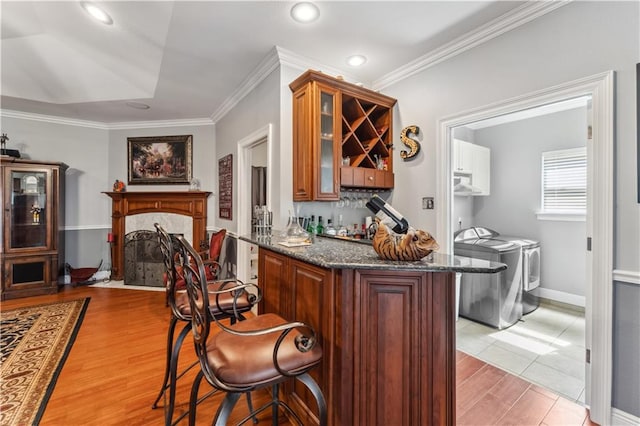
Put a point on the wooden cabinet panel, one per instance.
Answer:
(390, 345)
(311, 297)
(273, 280)
(359, 177)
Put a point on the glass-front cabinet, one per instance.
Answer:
(32, 220)
(28, 209)
(316, 134)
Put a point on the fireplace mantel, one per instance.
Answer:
(187, 203)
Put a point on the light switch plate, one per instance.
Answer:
(427, 203)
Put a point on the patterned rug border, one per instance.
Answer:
(63, 357)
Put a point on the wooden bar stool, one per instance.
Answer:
(226, 304)
(260, 352)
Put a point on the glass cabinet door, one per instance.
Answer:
(28, 209)
(327, 187)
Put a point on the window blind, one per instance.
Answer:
(564, 180)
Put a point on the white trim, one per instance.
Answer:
(105, 126)
(502, 24)
(276, 57)
(52, 119)
(122, 286)
(264, 68)
(303, 63)
(561, 296)
(599, 297)
(562, 217)
(627, 277)
(245, 209)
(621, 418)
(85, 227)
(160, 123)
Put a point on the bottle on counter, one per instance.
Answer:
(388, 215)
(311, 227)
(356, 232)
(320, 226)
(342, 231)
(330, 230)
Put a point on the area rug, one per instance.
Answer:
(34, 344)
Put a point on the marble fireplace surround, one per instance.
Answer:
(124, 204)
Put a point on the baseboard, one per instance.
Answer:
(621, 418)
(561, 296)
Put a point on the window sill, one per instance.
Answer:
(562, 216)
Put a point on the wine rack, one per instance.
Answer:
(365, 133)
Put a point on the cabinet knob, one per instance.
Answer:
(370, 177)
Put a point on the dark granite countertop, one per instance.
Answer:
(335, 253)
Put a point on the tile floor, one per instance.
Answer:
(547, 347)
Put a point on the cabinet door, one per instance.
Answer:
(311, 304)
(327, 149)
(472, 164)
(303, 144)
(28, 276)
(28, 209)
(273, 280)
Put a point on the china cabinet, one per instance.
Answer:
(32, 221)
(342, 137)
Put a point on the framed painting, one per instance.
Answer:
(160, 160)
(225, 187)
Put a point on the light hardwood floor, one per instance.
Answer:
(113, 372)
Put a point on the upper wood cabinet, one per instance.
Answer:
(342, 137)
(32, 221)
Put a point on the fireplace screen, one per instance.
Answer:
(143, 264)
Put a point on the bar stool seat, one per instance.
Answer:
(248, 361)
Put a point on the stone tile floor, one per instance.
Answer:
(547, 347)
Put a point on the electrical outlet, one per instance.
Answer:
(427, 203)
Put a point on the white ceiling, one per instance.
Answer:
(187, 58)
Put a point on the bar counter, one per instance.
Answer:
(387, 329)
(342, 254)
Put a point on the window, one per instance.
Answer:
(564, 184)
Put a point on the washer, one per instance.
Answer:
(530, 266)
(492, 299)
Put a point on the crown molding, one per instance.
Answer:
(504, 23)
(105, 126)
(52, 119)
(264, 68)
(276, 57)
(303, 63)
(160, 123)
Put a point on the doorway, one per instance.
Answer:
(254, 186)
(599, 218)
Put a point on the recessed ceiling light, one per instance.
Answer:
(305, 12)
(137, 105)
(356, 60)
(96, 12)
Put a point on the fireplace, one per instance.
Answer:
(125, 204)
(143, 263)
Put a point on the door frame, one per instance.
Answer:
(245, 210)
(600, 214)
